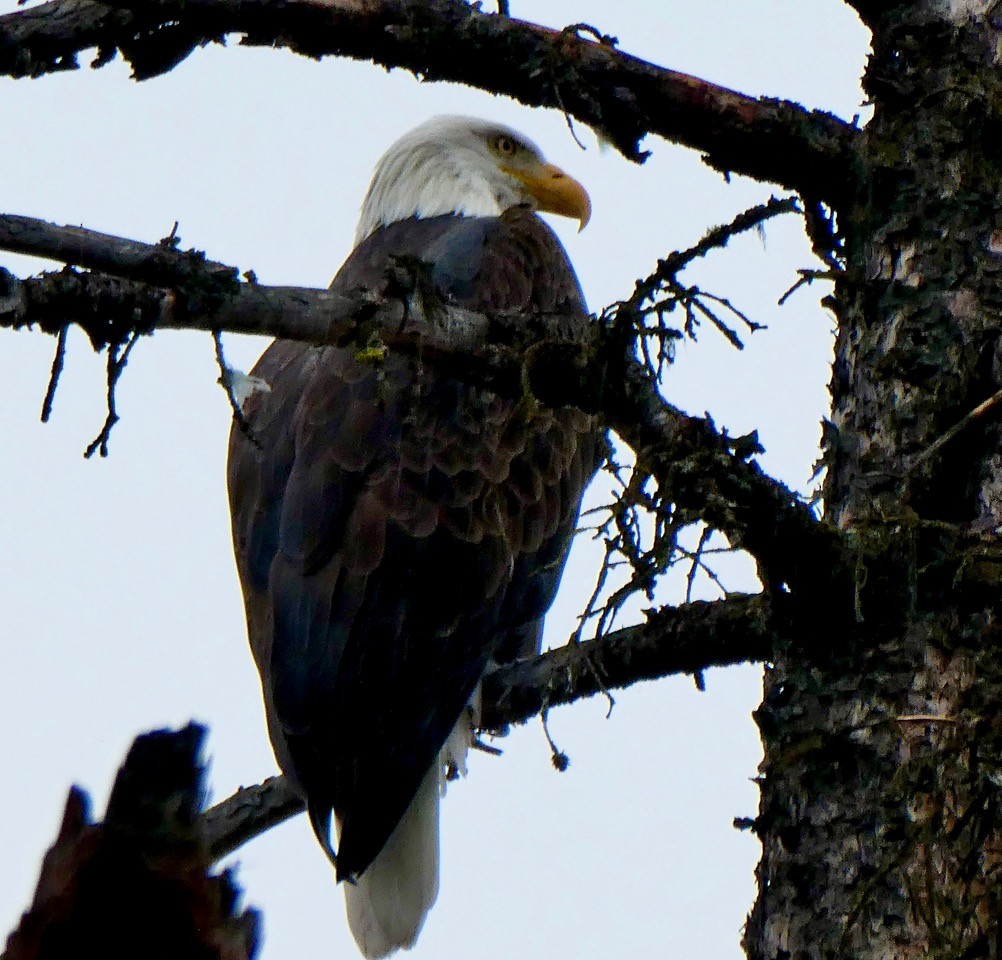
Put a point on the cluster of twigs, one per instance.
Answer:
(645, 534)
(656, 298)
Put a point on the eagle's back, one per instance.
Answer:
(396, 529)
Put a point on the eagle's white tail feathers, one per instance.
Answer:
(387, 904)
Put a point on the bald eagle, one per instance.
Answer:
(398, 530)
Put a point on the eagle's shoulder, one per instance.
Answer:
(513, 262)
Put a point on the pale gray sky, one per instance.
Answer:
(119, 605)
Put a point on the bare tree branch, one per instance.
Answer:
(713, 475)
(160, 264)
(683, 639)
(706, 471)
(138, 884)
(248, 813)
(620, 96)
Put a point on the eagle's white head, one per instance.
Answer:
(468, 167)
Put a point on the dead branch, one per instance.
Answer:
(713, 477)
(683, 639)
(138, 884)
(159, 264)
(248, 813)
(706, 472)
(620, 96)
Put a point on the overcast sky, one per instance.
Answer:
(119, 604)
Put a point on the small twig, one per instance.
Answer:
(807, 277)
(690, 580)
(226, 381)
(118, 357)
(54, 374)
(477, 743)
(569, 120)
(696, 558)
(600, 682)
(730, 334)
(661, 291)
(709, 572)
(714, 239)
(979, 411)
(752, 325)
(591, 609)
(559, 759)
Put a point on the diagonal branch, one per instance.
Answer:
(713, 475)
(160, 264)
(708, 473)
(621, 96)
(683, 639)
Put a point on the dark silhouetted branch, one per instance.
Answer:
(138, 884)
(714, 476)
(622, 97)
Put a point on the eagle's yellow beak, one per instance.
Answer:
(555, 191)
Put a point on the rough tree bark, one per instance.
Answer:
(880, 816)
(138, 884)
(880, 813)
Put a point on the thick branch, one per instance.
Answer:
(682, 639)
(154, 286)
(160, 264)
(138, 884)
(707, 472)
(621, 96)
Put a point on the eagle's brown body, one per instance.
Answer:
(396, 530)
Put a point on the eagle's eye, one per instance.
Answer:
(504, 145)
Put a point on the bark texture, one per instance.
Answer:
(138, 884)
(880, 813)
(577, 71)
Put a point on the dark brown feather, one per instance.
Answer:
(396, 530)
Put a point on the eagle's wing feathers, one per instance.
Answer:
(397, 529)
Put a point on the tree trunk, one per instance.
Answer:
(881, 783)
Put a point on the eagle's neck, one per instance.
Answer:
(427, 181)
